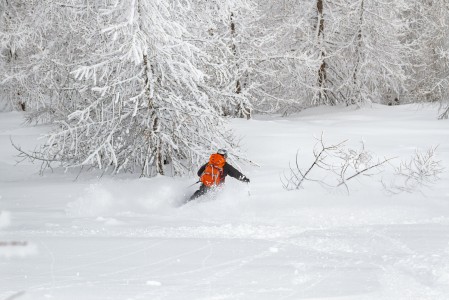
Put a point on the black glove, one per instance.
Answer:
(245, 179)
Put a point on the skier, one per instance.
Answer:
(214, 172)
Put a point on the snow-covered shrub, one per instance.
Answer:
(421, 170)
(333, 166)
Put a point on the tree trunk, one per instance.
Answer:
(238, 87)
(155, 147)
(241, 110)
(322, 94)
(358, 52)
(153, 140)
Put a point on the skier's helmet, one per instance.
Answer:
(223, 152)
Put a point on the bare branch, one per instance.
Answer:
(421, 170)
(365, 170)
(344, 164)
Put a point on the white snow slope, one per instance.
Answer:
(127, 238)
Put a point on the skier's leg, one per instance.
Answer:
(195, 195)
(201, 191)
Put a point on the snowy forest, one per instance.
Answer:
(148, 86)
(329, 120)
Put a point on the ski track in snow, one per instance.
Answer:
(127, 238)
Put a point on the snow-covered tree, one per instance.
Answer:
(39, 41)
(144, 100)
(374, 54)
(21, 46)
(361, 50)
(221, 30)
(339, 51)
(278, 62)
(429, 34)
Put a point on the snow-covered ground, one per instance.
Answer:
(127, 238)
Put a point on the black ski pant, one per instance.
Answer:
(200, 192)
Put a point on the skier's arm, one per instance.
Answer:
(233, 172)
(201, 170)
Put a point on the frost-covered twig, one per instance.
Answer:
(445, 114)
(36, 155)
(421, 170)
(355, 162)
(298, 176)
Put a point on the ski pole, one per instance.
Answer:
(249, 190)
(194, 183)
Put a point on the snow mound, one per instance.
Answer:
(153, 283)
(5, 219)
